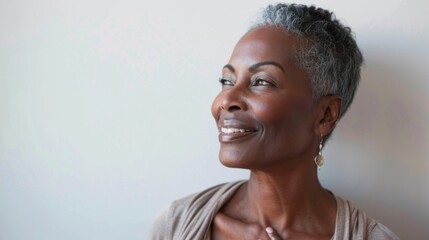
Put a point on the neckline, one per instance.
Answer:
(225, 197)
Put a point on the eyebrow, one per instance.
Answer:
(256, 66)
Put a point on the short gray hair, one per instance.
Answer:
(330, 54)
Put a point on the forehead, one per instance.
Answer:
(266, 44)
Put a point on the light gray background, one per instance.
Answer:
(105, 113)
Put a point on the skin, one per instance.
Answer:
(266, 94)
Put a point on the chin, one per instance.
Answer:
(232, 164)
(234, 159)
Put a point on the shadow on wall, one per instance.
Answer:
(388, 122)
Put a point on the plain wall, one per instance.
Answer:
(105, 113)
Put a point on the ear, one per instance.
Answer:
(328, 113)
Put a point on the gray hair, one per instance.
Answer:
(330, 54)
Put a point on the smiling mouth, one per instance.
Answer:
(235, 130)
(229, 134)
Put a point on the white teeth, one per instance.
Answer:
(233, 130)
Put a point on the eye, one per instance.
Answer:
(262, 82)
(226, 82)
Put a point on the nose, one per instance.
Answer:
(233, 99)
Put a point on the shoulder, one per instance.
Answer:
(193, 211)
(209, 195)
(353, 223)
(204, 200)
(160, 227)
(379, 231)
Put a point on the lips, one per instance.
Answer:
(235, 129)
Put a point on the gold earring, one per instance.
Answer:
(319, 160)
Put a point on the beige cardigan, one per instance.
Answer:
(190, 218)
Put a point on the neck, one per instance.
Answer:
(286, 199)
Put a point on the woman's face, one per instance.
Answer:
(264, 112)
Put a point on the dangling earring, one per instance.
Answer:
(319, 160)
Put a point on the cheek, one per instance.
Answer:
(278, 111)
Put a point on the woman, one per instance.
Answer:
(289, 80)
